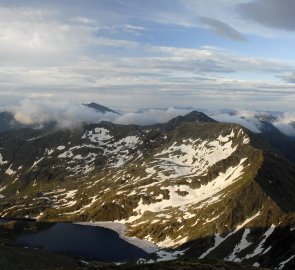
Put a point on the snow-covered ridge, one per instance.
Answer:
(192, 157)
(193, 196)
(99, 143)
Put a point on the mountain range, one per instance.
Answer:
(192, 185)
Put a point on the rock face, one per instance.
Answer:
(213, 189)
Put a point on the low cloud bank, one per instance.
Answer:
(150, 116)
(286, 123)
(70, 115)
(244, 118)
(66, 115)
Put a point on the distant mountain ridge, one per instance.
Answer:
(279, 141)
(100, 108)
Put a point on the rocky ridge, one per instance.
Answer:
(209, 189)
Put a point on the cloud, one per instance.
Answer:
(66, 115)
(244, 118)
(290, 77)
(108, 50)
(270, 13)
(286, 123)
(31, 37)
(39, 111)
(222, 29)
(150, 116)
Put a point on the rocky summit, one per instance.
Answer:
(193, 186)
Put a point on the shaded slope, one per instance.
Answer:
(7, 122)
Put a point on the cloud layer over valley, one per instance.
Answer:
(69, 114)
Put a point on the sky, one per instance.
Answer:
(129, 54)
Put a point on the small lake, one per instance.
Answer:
(3, 220)
(83, 241)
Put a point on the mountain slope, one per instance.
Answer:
(212, 188)
(280, 142)
(8, 122)
(267, 126)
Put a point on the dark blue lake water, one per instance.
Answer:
(3, 220)
(83, 241)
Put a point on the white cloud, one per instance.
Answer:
(67, 115)
(243, 118)
(31, 37)
(73, 51)
(286, 123)
(41, 110)
(150, 116)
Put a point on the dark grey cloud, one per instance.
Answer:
(222, 29)
(290, 78)
(270, 13)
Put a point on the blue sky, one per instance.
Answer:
(129, 54)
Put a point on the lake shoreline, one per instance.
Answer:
(145, 245)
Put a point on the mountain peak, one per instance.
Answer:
(193, 116)
(99, 108)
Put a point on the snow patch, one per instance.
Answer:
(219, 239)
(36, 162)
(259, 249)
(9, 171)
(239, 247)
(168, 256)
(191, 157)
(283, 263)
(194, 196)
(1, 160)
(100, 135)
(145, 245)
